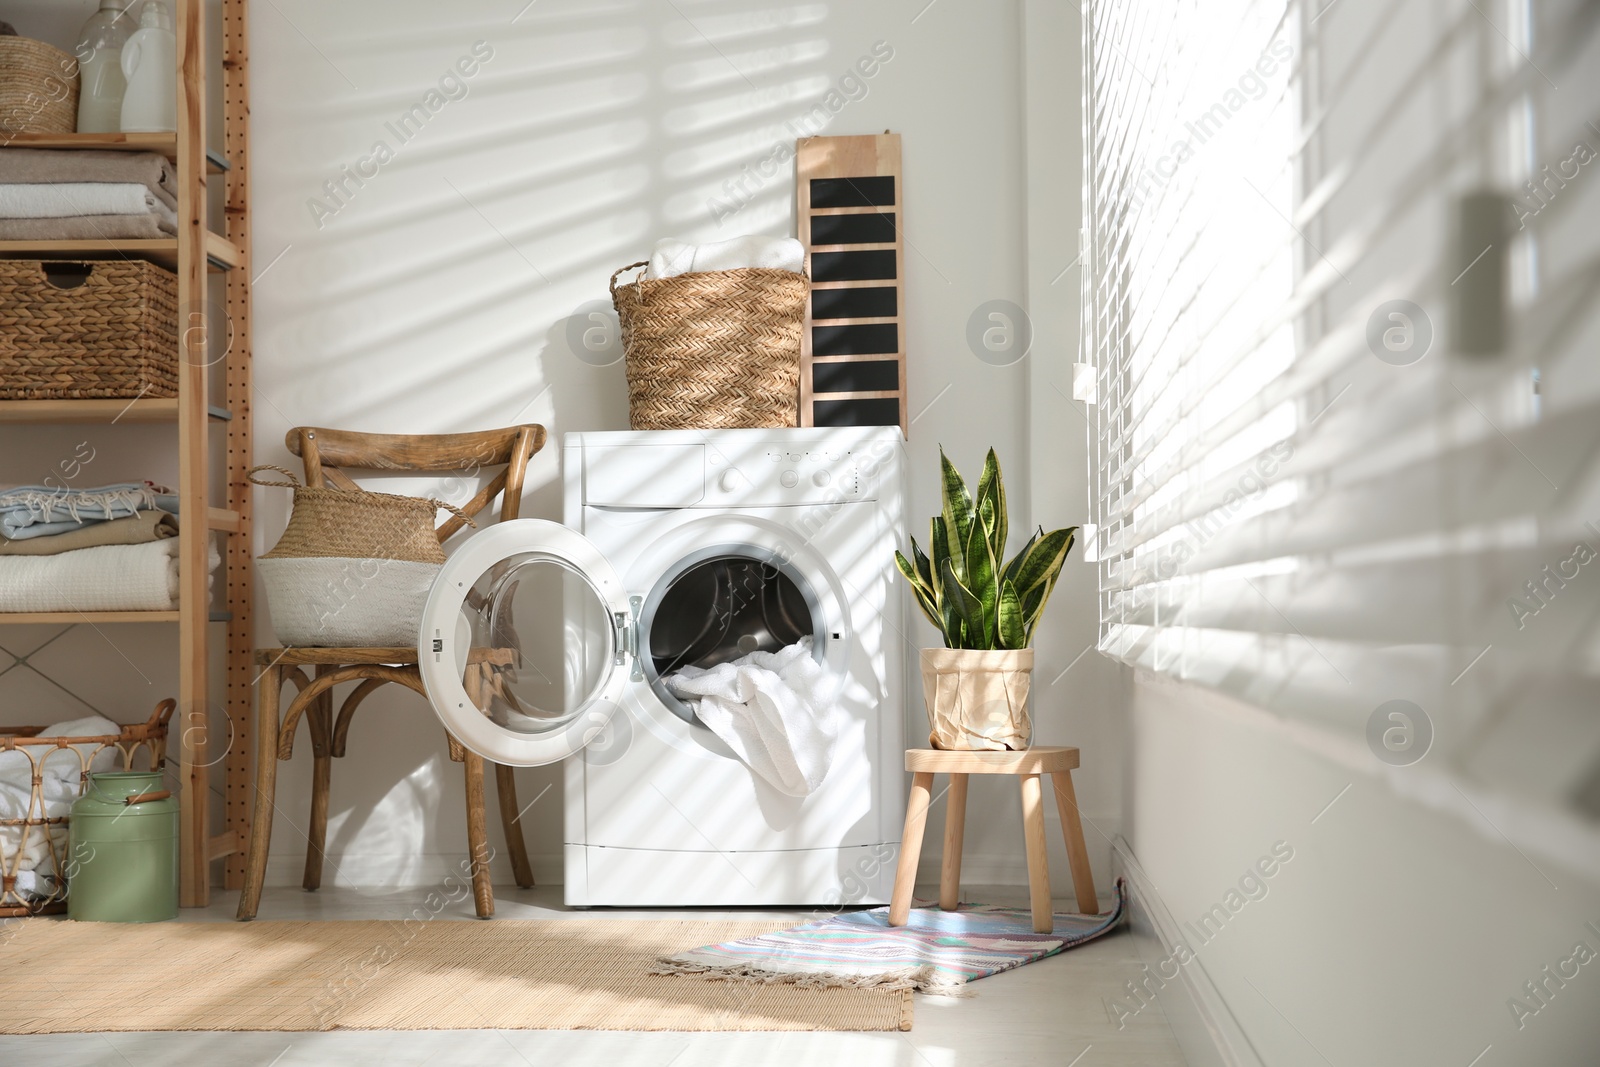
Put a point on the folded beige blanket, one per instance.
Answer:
(87, 228)
(35, 165)
(138, 529)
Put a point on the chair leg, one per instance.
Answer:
(319, 722)
(478, 836)
(1077, 851)
(955, 820)
(266, 710)
(905, 875)
(1038, 858)
(511, 819)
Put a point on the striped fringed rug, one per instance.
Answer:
(935, 952)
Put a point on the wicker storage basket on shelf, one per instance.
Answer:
(63, 764)
(713, 349)
(72, 331)
(38, 87)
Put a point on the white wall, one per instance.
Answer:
(1417, 923)
(437, 298)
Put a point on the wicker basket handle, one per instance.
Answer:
(630, 266)
(163, 713)
(292, 483)
(452, 509)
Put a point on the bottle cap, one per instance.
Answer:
(156, 16)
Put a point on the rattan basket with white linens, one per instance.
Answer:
(36, 864)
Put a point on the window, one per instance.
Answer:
(1332, 467)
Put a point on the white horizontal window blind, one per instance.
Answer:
(1342, 310)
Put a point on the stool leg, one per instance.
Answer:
(478, 836)
(1077, 851)
(1038, 858)
(255, 871)
(905, 875)
(955, 821)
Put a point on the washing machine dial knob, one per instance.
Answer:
(789, 479)
(821, 478)
(731, 480)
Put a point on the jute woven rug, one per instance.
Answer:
(561, 974)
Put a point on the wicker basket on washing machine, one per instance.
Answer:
(712, 349)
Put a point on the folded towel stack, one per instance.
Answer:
(672, 257)
(86, 195)
(108, 578)
(40, 520)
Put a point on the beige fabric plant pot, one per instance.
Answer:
(978, 699)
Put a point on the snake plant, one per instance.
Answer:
(962, 587)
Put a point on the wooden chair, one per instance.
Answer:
(1028, 765)
(324, 453)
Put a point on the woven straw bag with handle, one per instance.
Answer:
(712, 349)
(353, 568)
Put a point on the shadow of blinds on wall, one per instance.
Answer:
(1341, 314)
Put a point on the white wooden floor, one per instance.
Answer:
(1046, 1013)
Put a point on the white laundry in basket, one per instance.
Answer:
(776, 710)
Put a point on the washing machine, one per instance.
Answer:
(545, 642)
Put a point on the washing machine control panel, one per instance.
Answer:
(777, 474)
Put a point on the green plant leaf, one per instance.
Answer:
(957, 512)
(930, 609)
(1008, 573)
(909, 569)
(982, 585)
(991, 503)
(967, 609)
(1033, 603)
(1041, 562)
(924, 566)
(953, 629)
(939, 545)
(1013, 632)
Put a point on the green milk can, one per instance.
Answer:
(122, 864)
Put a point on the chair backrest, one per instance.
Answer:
(326, 452)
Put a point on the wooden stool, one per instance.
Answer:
(1029, 764)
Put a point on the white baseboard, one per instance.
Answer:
(1201, 1021)
(992, 862)
(384, 870)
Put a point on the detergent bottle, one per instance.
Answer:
(150, 63)
(99, 55)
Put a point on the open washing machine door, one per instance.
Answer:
(527, 641)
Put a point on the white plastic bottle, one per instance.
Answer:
(150, 63)
(99, 55)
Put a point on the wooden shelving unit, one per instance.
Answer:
(200, 258)
(86, 617)
(221, 254)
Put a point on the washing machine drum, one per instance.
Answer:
(503, 599)
(720, 607)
